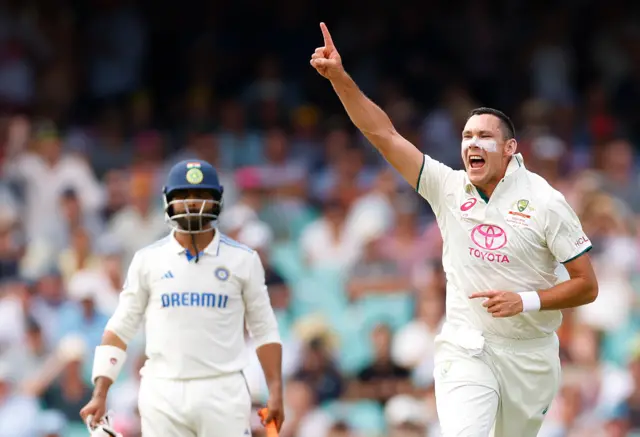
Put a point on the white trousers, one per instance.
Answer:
(211, 407)
(497, 387)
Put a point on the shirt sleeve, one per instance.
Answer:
(260, 317)
(132, 303)
(433, 177)
(564, 235)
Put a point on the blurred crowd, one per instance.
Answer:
(99, 98)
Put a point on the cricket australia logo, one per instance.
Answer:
(522, 205)
(522, 216)
(488, 239)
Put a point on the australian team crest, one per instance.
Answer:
(522, 205)
(222, 273)
(519, 213)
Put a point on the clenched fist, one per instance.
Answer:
(326, 60)
(96, 409)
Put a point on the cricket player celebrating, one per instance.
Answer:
(505, 230)
(194, 289)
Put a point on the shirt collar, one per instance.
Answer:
(516, 163)
(212, 249)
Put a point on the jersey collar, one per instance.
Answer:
(516, 163)
(212, 249)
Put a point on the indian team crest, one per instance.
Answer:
(522, 205)
(194, 174)
(222, 273)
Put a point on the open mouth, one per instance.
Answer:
(476, 161)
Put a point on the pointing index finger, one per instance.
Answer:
(488, 294)
(328, 41)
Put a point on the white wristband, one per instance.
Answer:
(108, 362)
(530, 301)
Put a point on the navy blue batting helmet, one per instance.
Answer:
(182, 213)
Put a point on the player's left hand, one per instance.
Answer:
(500, 303)
(276, 411)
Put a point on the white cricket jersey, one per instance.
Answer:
(195, 313)
(510, 242)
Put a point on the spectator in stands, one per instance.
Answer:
(375, 274)
(373, 212)
(382, 378)
(75, 218)
(106, 145)
(116, 194)
(77, 255)
(407, 417)
(319, 371)
(61, 386)
(47, 304)
(28, 357)
(141, 222)
(82, 317)
(18, 412)
(304, 417)
(325, 242)
(56, 172)
(413, 345)
(408, 243)
(240, 146)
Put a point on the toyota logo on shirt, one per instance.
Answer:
(489, 237)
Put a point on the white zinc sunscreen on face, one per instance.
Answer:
(486, 144)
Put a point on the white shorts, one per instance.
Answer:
(487, 386)
(211, 407)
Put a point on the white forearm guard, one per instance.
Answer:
(108, 362)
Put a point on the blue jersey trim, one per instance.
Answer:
(233, 243)
(190, 257)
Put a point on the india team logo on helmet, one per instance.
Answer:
(187, 210)
(194, 174)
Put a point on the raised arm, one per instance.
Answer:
(372, 121)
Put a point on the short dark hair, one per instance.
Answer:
(508, 129)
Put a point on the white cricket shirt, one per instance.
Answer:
(194, 313)
(510, 242)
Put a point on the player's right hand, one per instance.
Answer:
(326, 59)
(96, 408)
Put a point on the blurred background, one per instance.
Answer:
(98, 98)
